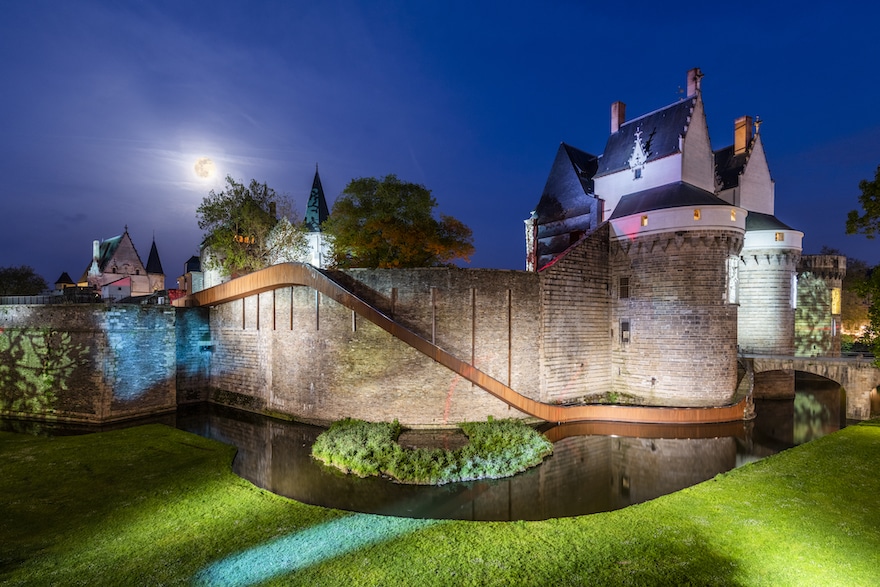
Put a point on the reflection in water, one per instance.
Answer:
(595, 466)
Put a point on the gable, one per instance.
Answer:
(660, 132)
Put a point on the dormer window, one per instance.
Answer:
(780, 236)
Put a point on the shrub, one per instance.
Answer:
(497, 448)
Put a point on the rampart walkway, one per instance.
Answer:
(297, 274)
(857, 376)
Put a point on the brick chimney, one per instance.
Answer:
(742, 134)
(694, 77)
(618, 116)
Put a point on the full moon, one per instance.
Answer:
(204, 167)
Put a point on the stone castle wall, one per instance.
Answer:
(87, 363)
(681, 345)
(766, 316)
(575, 341)
(296, 352)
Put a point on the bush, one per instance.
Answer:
(497, 448)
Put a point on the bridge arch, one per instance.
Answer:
(858, 376)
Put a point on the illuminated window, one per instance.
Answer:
(623, 289)
(644, 221)
(733, 215)
(624, 332)
(780, 237)
(697, 214)
(835, 300)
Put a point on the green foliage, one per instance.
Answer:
(497, 448)
(390, 223)
(867, 223)
(243, 232)
(20, 281)
(154, 505)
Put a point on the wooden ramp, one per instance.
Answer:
(299, 274)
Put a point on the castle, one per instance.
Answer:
(652, 268)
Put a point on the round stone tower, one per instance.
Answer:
(673, 317)
(767, 288)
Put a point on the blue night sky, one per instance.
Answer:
(106, 106)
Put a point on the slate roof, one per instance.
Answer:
(64, 280)
(661, 130)
(107, 250)
(192, 264)
(758, 221)
(728, 166)
(568, 185)
(316, 208)
(154, 265)
(671, 195)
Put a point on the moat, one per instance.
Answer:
(594, 468)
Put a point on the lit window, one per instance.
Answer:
(623, 289)
(780, 237)
(644, 221)
(697, 214)
(733, 215)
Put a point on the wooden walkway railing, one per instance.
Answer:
(298, 274)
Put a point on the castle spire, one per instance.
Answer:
(316, 209)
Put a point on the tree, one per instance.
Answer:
(868, 224)
(20, 281)
(390, 223)
(243, 231)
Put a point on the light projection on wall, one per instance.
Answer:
(813, 317)
(35, 366)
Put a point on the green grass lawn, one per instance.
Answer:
(156, 506)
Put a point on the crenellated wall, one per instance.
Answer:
(817, 322)
(680, 348)
(766, 316)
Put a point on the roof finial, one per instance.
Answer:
(126, 228)
(758, 123)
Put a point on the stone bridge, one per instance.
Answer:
(858, 376)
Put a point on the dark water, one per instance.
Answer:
(595, 467)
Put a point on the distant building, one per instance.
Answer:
(193, 279)
(115, 259)
(64, 282)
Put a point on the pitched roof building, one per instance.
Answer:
(116, 258)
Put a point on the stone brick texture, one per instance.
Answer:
(766, 317)
(88, 363)
(575, 342)
(296, 352)
(683, 332)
